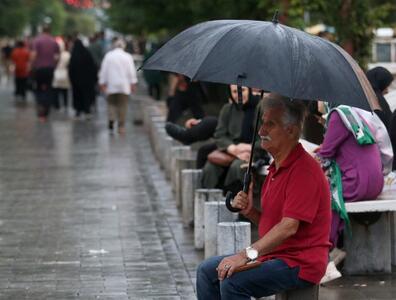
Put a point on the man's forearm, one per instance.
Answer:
(276, 236)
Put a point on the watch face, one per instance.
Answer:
(251, 253)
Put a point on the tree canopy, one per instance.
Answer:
(16, 15)
(353, 20)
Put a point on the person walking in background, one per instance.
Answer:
(117, 79)
(83, 78)
(6, 60)
(45, 54)
(96, 48)
(21, 58)
(61, 82)
(153, 78)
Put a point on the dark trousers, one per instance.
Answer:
(203, 131)
(20, 86)
(154, 91)
(202, 155)
(59, 95)
(183, 101)
(271, 277)
(83, 98)
(43, 90)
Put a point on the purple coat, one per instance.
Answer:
(360, 166)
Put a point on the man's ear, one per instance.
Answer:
(292, 130)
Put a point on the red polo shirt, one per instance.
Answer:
(299, 190)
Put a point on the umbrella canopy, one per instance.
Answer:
(269, 56)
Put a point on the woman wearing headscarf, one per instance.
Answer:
(380, 79)
(351, 157)
(232, 136)
(83, 78)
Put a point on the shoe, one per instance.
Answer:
(111, 125)
(331, 273)
(337, 255)
(177, 132)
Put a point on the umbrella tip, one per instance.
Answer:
(275, 17)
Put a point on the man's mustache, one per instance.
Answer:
(265, 138)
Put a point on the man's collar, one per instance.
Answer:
(290, 159)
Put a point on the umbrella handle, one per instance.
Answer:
(248, 174)
(246, 183)
(228, 203)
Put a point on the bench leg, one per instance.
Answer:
(393, 238)
(369, 248)
(309, 293)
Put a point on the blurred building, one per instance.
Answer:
(384, 50)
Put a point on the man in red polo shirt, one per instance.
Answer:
(294, 221)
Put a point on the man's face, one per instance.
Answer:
(273, 133)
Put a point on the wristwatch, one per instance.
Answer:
(251, 253)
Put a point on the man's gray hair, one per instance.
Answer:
(294, 110)
(119, 43)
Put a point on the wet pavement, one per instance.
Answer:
(89, 215)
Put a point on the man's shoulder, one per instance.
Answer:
(307, 164)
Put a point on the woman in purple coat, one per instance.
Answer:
(357, 157)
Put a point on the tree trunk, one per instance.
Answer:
(347, 42)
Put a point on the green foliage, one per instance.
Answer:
(354, 25)
(79, 22)
(16, 15)
(354, 22)
(144, 17)
(13, 17)
(46, 11)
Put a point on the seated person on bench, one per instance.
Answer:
(352, 158)
(294, 221)
(233, 136)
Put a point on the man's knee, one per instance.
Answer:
(231, 286)
(207, 268)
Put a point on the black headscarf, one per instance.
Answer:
(249, 110)
(82, 68)
(380, 78)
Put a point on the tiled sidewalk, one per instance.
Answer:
(85, 214)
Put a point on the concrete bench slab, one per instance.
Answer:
(201, 197)
(309, 293)
(214, 213)
(369, 249)
(371, 206)
(190, 180)
(232, 237)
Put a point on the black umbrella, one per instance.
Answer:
(269, 56)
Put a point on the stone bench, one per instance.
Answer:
(309, 293)
(232, 237)
(369, 249)
(214, 213)
(190, 181)
(201, 197)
